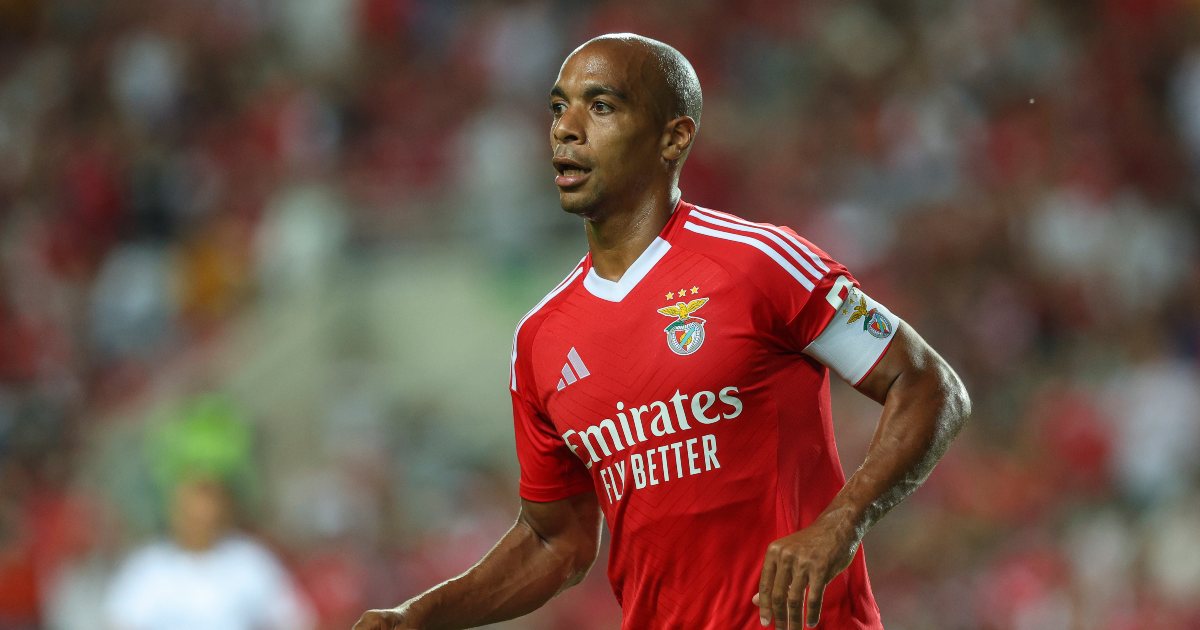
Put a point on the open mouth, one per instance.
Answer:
(570, 172)
(569, 168)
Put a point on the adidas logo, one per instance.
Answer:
(570, 375)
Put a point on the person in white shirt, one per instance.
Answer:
(206, 576)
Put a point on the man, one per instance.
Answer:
(677, 382)
(206, 575)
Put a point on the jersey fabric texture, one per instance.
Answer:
(682, 396)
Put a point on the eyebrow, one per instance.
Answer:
(592, 91)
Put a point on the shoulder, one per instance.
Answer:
(763, 253)
(152, 563)
(241, 548)
(528, 326)
(149, 556)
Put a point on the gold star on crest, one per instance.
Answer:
(695, 290)
(670, 296)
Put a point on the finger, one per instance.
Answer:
(765, 581)
(795, 599)
(816, 593)
(783, 577)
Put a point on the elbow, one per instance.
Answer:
(579, 562)
(963, 403)
(564, 537)
(573, 568)
(576, 574)
(572, 557)
(956, 401)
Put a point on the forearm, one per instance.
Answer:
(522, 572)
(924, 407)
(923, 410)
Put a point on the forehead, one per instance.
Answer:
(618, 64)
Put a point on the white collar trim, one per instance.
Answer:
(616, 291)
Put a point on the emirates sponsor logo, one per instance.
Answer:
(687, 456)
(630, 426)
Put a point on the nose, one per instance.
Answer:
(568, 128)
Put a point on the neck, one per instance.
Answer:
(616, 240)
(197, 541)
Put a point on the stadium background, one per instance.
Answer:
(308, 228)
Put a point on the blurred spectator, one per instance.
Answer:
(205, 576)
(1155, 408)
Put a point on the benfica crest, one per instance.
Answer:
(874, 322)
(685, 335)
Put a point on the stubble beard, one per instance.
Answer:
(583, 205)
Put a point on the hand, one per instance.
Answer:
(808, 559)
(390, 619)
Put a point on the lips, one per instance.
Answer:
(571, 173)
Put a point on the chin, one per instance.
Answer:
(577, 203)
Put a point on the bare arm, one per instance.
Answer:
(549, 548)
(924, 406)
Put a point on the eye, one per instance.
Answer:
(557, 108)
(602, 108)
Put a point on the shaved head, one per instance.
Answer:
(625, 112)
(675, 85)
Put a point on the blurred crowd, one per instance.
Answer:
(1018, 179)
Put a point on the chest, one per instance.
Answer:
(686, 347)
(210, 591)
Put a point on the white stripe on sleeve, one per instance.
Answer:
(744, 226)
(816, 260)
(756, 244)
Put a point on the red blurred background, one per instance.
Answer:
(313, 226)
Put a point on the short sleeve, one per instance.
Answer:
(549, 470)
(835, 322)
(806, 311)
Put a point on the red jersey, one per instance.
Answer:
(682, 396)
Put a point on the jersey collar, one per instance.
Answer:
(616, 291)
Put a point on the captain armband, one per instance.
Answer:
(857, 335)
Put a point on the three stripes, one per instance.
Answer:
(784, 241)
(570, 376)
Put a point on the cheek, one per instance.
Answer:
(637, 157)
(625, 150)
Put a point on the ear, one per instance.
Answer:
(678, 135)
